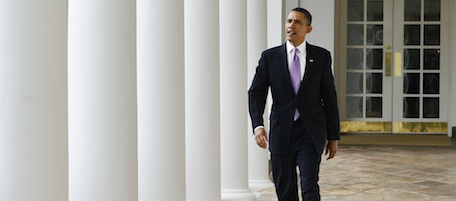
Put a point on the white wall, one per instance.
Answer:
(452, 121)
(322, 22)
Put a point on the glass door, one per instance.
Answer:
(392, 75)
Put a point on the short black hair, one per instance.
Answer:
(305, 12)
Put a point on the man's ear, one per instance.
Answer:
(309, 29)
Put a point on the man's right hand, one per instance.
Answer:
(261, 137)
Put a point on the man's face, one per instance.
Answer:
(297, 27)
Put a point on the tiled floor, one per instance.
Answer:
(365, 173)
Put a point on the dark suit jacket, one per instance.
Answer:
(316, 99)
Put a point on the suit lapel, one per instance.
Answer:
(310, 61)
(287, 68)
(283, 64)
(282, 60)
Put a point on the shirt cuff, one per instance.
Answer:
(258, 127)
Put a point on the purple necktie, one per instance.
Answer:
(295, 74)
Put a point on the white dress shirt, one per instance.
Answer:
(301, 55)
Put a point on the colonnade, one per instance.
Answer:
(123, 100)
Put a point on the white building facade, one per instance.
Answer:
(147, 100)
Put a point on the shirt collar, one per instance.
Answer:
(301, 47)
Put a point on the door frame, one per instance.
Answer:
(374, 125)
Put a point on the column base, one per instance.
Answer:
(238, 195)
(256, 186)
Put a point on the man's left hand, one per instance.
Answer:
(331, 148)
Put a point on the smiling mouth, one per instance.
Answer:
(291, 32)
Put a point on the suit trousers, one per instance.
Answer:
(301, 154)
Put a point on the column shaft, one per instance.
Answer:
(161, 100)
(102, 100)
(276, 22)
(257, 42)
(202, 100)
(233, 100)
(33, 101)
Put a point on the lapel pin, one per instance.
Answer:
(311, 60)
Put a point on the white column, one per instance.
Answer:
(33, 101)
(202, 100)
(102, 101)
(257, 42)
(161, 100)
(233, 100)
(275, 22)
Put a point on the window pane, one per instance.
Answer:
(412, 10)
(431, 34)
(411, 107)
(411, 83)
(431, 10)
(355, 34)
(375, 34)
(374, 107)
(355, 10)
(374, 59)
(374, 83)
(412, 59)
(375, 10)
(431, 107)
(354, 83)
(412, 34)
(354, 58)
(431, 83)
(432, 59)
(354, 107)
